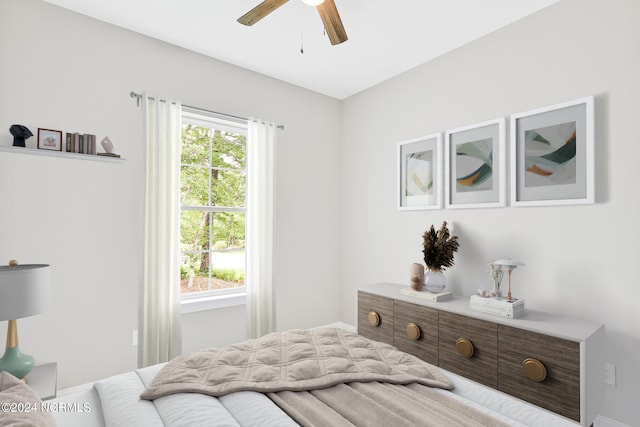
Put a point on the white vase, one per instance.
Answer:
(434, 281)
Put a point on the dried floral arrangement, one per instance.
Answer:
(496, 272)
(439, 248)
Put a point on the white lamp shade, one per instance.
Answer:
(312, 2)
(508, 262)
(25, 290)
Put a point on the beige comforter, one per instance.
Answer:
(293, 360)
(325, 377)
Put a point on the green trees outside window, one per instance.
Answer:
(213, 213)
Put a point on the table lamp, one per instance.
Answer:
(25, 290)
(510, 265)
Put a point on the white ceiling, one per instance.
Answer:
(386, 37)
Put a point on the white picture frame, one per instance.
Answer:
(475, 165)
(419, 163)
(552, 155)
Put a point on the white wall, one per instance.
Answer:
(581, 260)
(61, 70)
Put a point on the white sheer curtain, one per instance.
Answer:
(159, 316)
(261, 154)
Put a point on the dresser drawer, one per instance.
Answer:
(415, 330)
(482, 340)
(375, 317)
(555, 362)
(561, 375)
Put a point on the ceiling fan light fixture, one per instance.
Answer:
(326, 8)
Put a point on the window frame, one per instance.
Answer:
(213, 299)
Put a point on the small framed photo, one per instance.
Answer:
(552, 155)
(475, 165)
(49, 139)
(420, 173)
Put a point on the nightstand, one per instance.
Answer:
(43, 379)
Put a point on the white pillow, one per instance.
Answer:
(20, 406)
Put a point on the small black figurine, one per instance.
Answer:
(20, 133)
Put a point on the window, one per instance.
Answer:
(213, 206)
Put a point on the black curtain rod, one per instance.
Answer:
(138, 96)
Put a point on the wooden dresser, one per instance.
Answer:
(554, 362)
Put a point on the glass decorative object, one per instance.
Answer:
(496, 272)
(438, 249)
(434, 281)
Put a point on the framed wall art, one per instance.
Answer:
(552, 155)
(475, 166)
(49, 139)
(420, 173)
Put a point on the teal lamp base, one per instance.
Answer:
(16, 363)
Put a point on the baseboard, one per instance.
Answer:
(601, 421)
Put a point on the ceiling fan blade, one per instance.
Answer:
(332, 22)
(260, 11)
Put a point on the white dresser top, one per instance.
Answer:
(568, 328)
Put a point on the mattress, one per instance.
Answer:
(115, 402)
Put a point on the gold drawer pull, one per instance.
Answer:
(534, 369)
(465, 347)
(413, 331)
(374, 318)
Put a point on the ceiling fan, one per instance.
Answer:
(327, 10)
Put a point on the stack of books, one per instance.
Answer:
(441, 296)
(499, 307)
(80, 143)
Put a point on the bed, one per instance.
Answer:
(353, 381)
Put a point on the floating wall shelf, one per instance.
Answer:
(50, 153)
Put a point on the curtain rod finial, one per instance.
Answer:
(132, 94)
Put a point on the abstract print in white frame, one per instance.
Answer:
(475, 165)
(419, 163)
(552, 155)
